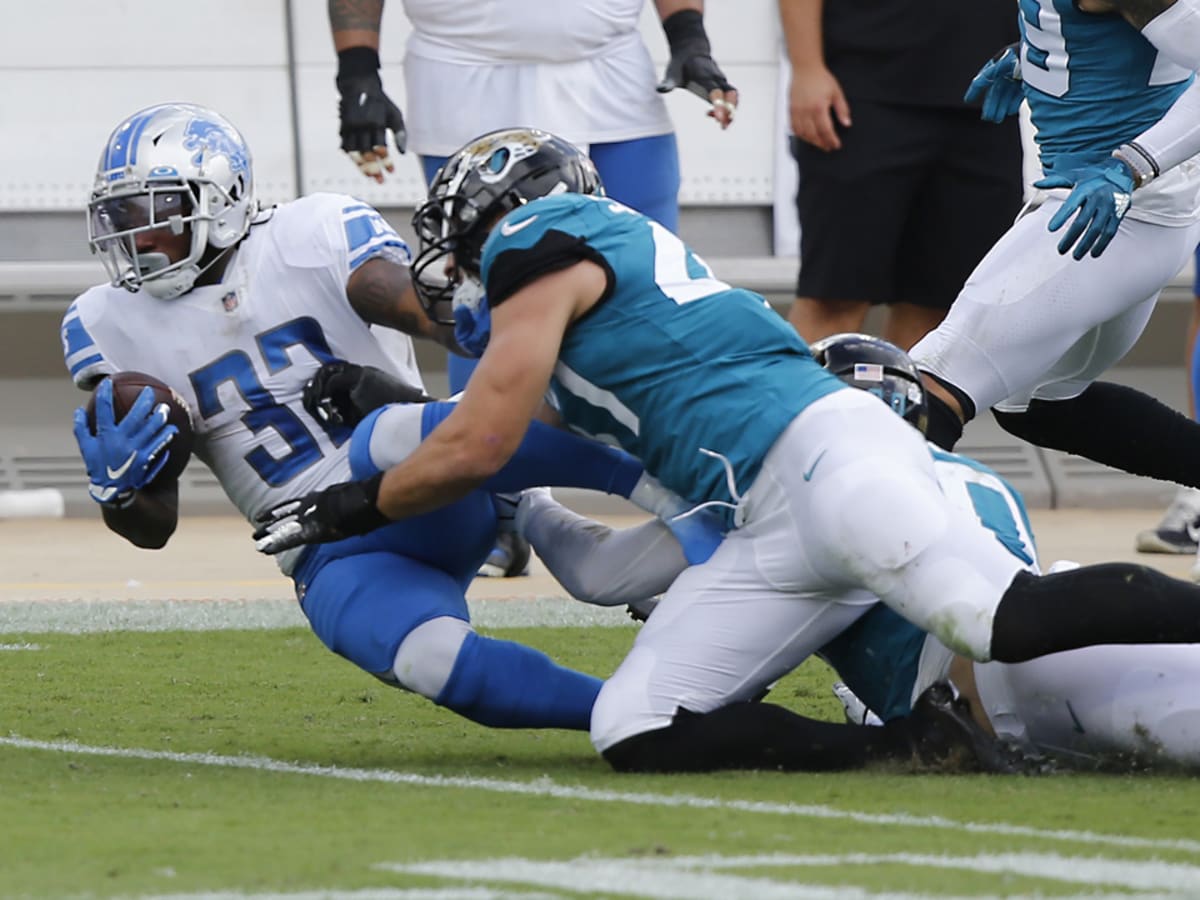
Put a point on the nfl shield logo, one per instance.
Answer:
(230, 301)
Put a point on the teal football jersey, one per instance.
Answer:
(1093, 82)
(695, 378)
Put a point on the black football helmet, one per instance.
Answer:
(487, 178)
(883, 369)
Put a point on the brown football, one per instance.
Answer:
(126, 388)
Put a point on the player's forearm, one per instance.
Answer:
(457, 457)
(802, 34)
(667, 8)
(1171, 140)
(150, 520)
(1174, 29)
(355, 23)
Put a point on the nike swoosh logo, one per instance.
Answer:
(809, 474)
(116, 473)
(1079, 729)
(1193, 530)
(508, 229)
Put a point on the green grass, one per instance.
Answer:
(77, 823)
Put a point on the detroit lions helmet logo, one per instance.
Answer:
(210, 138)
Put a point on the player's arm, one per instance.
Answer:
(504, 393)
(123, 460)
(815, 97)
(365, 111)
(1101, 193)
(691, 65)
(381, 292)
(150, 518)
(1172, 26)
(475, 440)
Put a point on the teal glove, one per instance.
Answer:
(999, 85)
(1101, 195)
(122, 457)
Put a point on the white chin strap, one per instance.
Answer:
(172, 284)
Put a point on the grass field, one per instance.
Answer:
(253, 763)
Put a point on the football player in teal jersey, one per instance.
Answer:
(1107, 705)
(1112, 91)
(831, 500)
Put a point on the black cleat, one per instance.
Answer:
(509, 558)
(946, 738)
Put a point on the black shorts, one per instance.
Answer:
(910, 204)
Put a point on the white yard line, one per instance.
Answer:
(87, 616)
(709, 878)
(544, 787)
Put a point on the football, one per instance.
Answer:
(126, 388)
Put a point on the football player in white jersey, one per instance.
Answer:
(1094, 706)
(1112, 89)
(832, 501)
(236, 309)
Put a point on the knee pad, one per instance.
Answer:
(427, 655)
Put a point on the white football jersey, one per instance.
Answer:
(241, 351)
(578, 69)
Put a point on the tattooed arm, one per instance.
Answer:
(381, 292)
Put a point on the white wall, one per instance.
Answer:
(71, 70)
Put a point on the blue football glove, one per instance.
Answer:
(999, 85)
(122, 457)
(1101, 196)
(699, 533)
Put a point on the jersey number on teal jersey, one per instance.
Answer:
(1044, 62)
(681, 274)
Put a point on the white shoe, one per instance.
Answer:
(857, 712)
(1179, 530)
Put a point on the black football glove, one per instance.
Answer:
(691, 65)
(367, 113)
(342, 393)
(340, 511)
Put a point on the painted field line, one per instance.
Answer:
(86, 616)
(716, 878)
(544, 787)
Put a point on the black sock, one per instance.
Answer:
(1117, 426)
(1111, 603)
(758, 736)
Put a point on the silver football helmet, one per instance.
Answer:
(176, 166)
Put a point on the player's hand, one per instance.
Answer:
(1099, 200)
(342, 393)
(122, 457)
(692, 67)
(999, 85)
(815, 101)
(367, 114)
(340, 511)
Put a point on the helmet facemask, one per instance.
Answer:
(478, 185)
